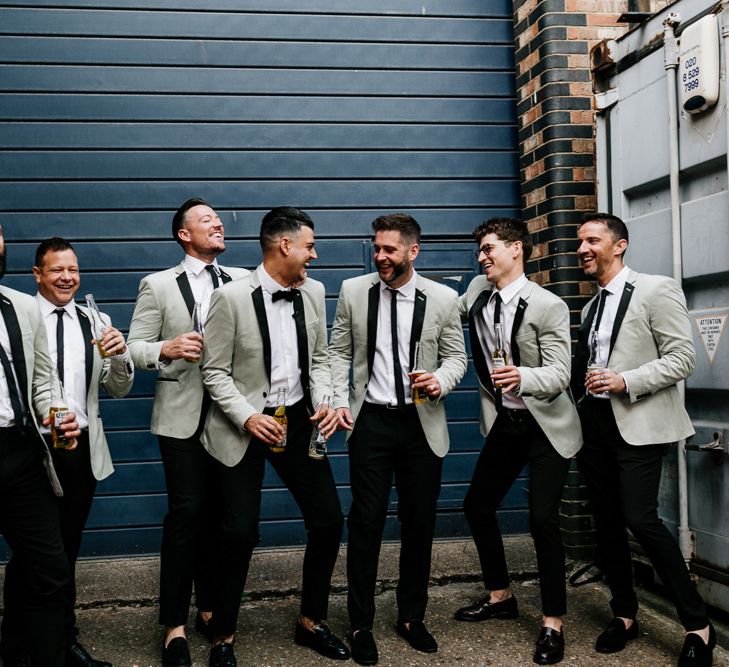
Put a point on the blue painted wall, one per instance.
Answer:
(112, 113)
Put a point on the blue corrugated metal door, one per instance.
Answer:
(113, 113)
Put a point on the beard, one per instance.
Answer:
(397, 270)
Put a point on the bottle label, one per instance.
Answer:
(58, 417)
(499, 362)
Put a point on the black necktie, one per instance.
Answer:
(59, 343)
(600, 309)
(288, 295)
(213, 275)
(12, 388)
(399, 387)
(498, 397)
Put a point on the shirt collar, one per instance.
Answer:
(197, 266)
(407, 290)
(512, 289)
(46, 307)
(268, 283)
(616, 285)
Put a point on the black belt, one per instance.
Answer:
(390, 409)
(294, 407)
(11, 432)
(517, 415)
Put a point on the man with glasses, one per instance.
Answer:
(520, 341)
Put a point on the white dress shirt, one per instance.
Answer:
(613, 293)
(74, 356)
(7, 416)
(487, 336)
(381, 387)
(285, 371)
(201, 282)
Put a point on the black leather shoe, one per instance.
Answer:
(203, 628)
(614, 637)
(322, 641)
(364, 649)
(78, 656)
(176, 653)
(417, 636)
(695, 653)
(223, 655)
(483, 609)
(550, 647)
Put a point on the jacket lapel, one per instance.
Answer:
(88, 348)
(620, 314)
(518, 317)
(260, 307)
(184, 284)
(16, 346)
(479, 354)
(417, 327)
(224, 277)
(579, 364)
(373, 305)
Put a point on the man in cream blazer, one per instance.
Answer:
(82, 371)
(636, 339)
(265, 346)
(161, 338)
(35, 601)
(527, 416)
(379, 320)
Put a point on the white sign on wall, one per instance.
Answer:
(710, 329)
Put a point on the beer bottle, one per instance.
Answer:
(499, 356)
(419, 395)
(281, 418)
(197, 325)
(318, 443)
(97, 324)
(59, 409)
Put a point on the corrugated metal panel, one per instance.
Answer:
(114, 113)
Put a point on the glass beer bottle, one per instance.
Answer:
(419, 395)
(318, 443)
(59, 409)
(97, 324)
(197, 326)
(281, 418)
(499, 357)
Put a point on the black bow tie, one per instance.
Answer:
(284, 294)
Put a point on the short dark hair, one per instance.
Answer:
(178, 220)
(617, 228)
(282, 220)
(398, 222)
(507, 230)
(53, 244)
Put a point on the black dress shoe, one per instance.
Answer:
(417, 636)
(483, 609)
(550, 647)
(78, 656)
(204, 628)
(615, 636)
(223, 655)
(364, 649)
(322, 641)
(695, 653)
(176, 653)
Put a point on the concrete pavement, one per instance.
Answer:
(118, 615)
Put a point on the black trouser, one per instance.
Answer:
(36, 584)
(385, 443)
(79, 484)
(190, 529)
(514, 440)
(622, 484)
(312, 485)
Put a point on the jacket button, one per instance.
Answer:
(264, 394)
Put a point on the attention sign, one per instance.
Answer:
(710, 328)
